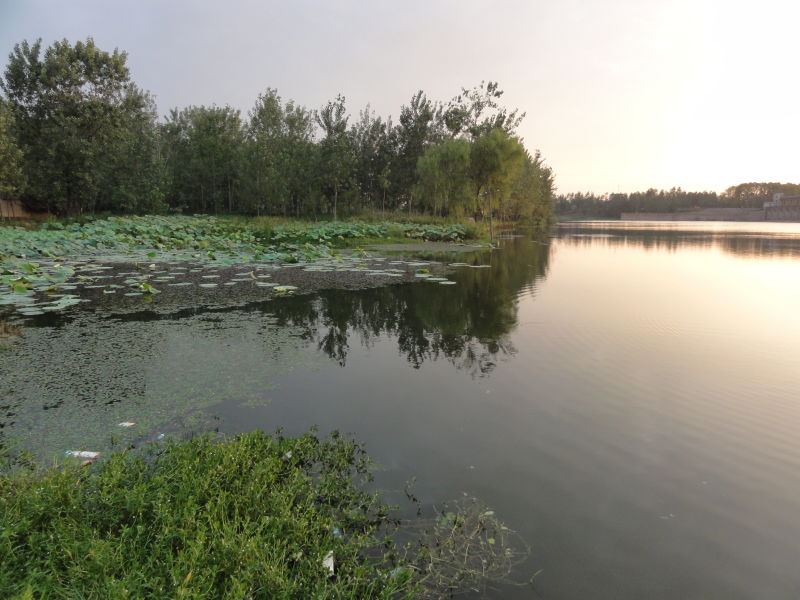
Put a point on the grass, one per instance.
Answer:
(252, 517)
(245, 518)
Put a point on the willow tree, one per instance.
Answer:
(442, 175)
(495, 159)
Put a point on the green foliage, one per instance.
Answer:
(531, 194)
(495, 160)
(31, 285)
(202, 151)
(252, 517)
(10, 155)
(73, 108)
(476, 112)
(336, 159)
(443, 174)
(91, 142)
(279, 157)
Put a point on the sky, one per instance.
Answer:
(620, 95)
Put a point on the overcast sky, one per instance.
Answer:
(620, 95)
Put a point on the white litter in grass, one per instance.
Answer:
(328, 563)
(126, 424)
(82, 453)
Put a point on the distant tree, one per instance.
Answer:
(335, 150)
(754, 194)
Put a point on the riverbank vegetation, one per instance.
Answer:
(78, 136)
(254, 516)
(611, 206)
(40, 260)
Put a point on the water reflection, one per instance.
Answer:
(467, 324)
(740, 239)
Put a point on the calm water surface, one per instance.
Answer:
(623, 394)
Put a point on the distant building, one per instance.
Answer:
(782, 208)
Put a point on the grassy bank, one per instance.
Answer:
(252, 517)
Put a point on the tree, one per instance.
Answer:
(372, 152)
(10, 155)
(495, 159)
(336, 159)
(279, 156)
(70, 106)
(442, 173)
(531, 193)
(476, 112)
(133, 176)
(202, 149)
(412, 134)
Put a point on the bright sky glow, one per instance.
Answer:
(620, 95)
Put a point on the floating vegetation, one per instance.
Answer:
(284, 289)
(447, 283)
(35, 263)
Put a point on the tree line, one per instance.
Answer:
(77, 136)
(744, 195)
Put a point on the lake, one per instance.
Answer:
(623, 394)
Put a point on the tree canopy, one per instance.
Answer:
(78, 136)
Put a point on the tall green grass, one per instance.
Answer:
(250, 517)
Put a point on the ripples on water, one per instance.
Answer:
(624, 394)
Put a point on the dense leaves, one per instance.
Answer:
(88, 140)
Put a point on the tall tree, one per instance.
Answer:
(133, 176)
(202, 149)
(279, 156)
(531, 192)
(69, 106)
(443, 175)
(335, 151)
(412, 134)
(495, 159)
(10, 155)
(476, 112)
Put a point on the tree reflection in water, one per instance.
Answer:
(467, 324)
